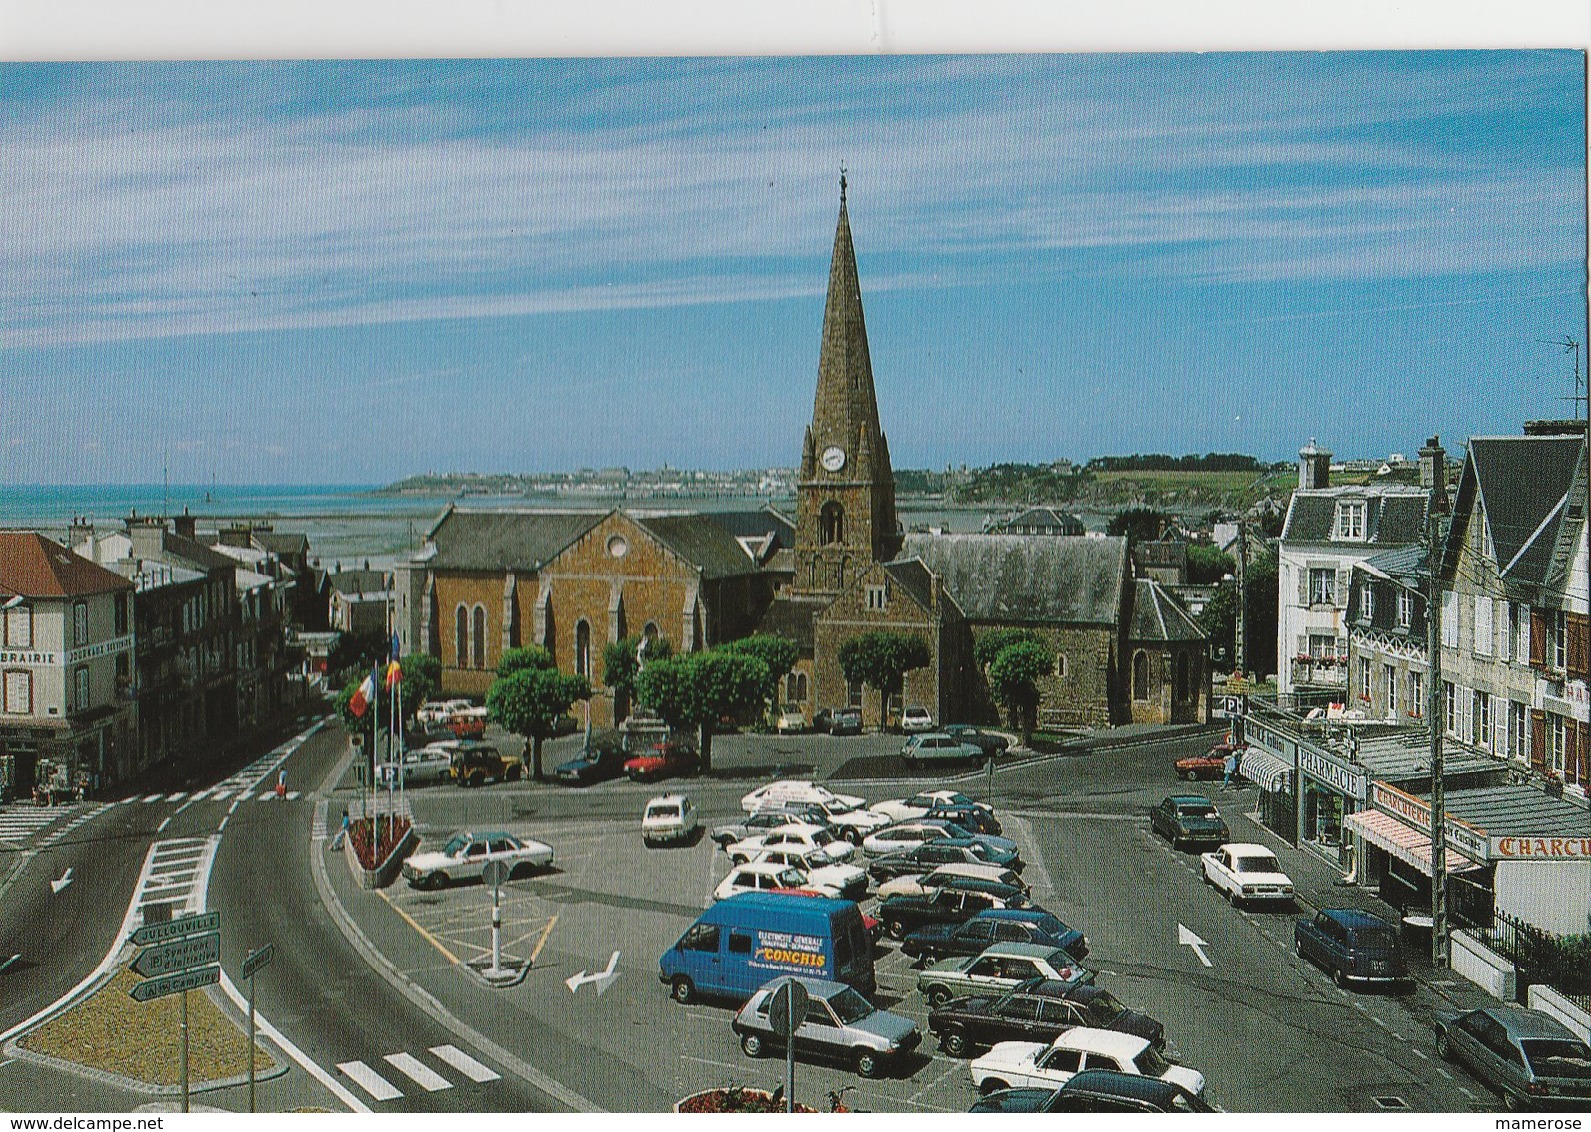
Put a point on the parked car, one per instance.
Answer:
(1013, 1100)
(1188, 819)
(662, 760)
(916, 719)
(792, 721)
(918, 805)
(764, 820)
(823, 719)
(902, 914)
(840, 1024)
(998, 969)
(425, 767)
(839, 880)
(787, 791)
(846, 721)
(1529, 1057)
(1107, 1090)
(989, 742)
(468, 722)
(974, 819)
(930, 855)
(998, 925)
(761, 878)
(935, 747)
(1246, 873)
(668, 819)
(1038, 1010)
(1353, 946)
(1211, 764)
(466, 855)
(919, 884)
(476, 763)
(1017, 1064)
(737, 944)
(440, 711)
(604, 759)
(991, 849)
(798, 835)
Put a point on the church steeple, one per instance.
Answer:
(845, 510)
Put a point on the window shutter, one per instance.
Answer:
(1571, 745)
(1303, 586)
(1538, 737)
(1579, 654)
(1538, 639)
(1575, 771)
(1341, 595)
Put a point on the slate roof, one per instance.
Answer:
(348, 582)
(1523, 483)
(193, 552)
(283, 543)
(785, 617)
(1047, 519)
(34, 566)
(755, 524)
(1156, 616)
(1035, 579)
(1405, 565)
(497, 540)
(913, 577)
(1395, 516)
(703, 541)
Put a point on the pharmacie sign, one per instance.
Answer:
(1334, 774)
(1417, 812)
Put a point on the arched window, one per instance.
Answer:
(461, 635)
(1182, 676)
(583, 648)
(831, 524)
(1060, 665)
(651, 632)
(1140, 676)
(478, 637)
(801, 687)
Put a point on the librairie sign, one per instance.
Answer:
(175, 929)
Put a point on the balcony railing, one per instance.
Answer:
(1322, 671)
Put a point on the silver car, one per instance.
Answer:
(840, 1024)
(1529, 1057)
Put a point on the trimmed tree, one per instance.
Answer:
(1013, 681)
(529, 703)
(517, 660)
(779, 654)
(995, 641)
(620, 667)
(700, 688)
(422, 681)
(881, 659)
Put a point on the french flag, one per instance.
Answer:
(359, 702)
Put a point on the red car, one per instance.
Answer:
(873, 925)
(663, 760)
(1210, 765)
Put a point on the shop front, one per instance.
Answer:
(1329, 790)
(1269, 761)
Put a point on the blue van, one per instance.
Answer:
(739, 944)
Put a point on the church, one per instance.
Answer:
(572, 581)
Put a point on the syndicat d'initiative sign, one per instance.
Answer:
(179, 955)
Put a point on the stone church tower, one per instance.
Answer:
(845, 493)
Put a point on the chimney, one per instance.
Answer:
(1433, 472)
(185, 524)
(1314, 467)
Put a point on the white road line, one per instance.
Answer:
(369, 1080)
(464, 1063)
(292, 795)
(154, 797)
(221, 795)
(177, 797)
(266, 797)
(1443, 1072)
(222, 826)
(1416, 1051)
(161, 828)
(1466, 1092)
(232, 809)
(428, 1079)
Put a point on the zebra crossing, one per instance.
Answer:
(213, 794)
(418, 1074)
(22, 823)
(172, 875)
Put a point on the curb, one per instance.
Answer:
(133, 1084)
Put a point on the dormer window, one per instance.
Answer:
(877, 597)
(1367, 603)
(1351, 520)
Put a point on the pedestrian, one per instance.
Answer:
(281, 784)
(1229, 770)
(342, 833)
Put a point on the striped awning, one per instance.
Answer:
(1404, 842)
(1266, 771)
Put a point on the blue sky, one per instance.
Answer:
(323, 272)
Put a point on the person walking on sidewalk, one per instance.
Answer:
(342, 833)
(1229, 770)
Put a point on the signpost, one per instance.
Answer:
(787, 1009)
(252, 962)
(180, 955)
(494, 874)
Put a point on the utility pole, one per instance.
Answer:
(1238, 653)
(1436, 719)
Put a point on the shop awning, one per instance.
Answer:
(1267, 771)
(1404, 842)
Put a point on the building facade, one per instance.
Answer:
(1388, 657)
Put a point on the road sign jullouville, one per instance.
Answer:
(172, 984)
(176, 929)
(254, 960)
(179, 955)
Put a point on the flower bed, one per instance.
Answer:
(735, 1099)
(392, 830)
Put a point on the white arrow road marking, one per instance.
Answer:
(369, 1080)
(57, 885)
(601, 978)
(465, 1064)
(1193, 941)
(418, 1072)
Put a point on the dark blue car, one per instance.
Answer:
(603, 760)
(1353, 946)
(997, 925)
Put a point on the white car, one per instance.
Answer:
(844, 882)
(921, 884)
(1244, 872)
(916, 719)
(794, 835)
(1016, 1065)
(440, 711)
(852, 823)
(429, 764)
(669, 818)
(465, 857)
(905, 809)
(792, 721)
(759, 878)
(903, 835)
(795, 790)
